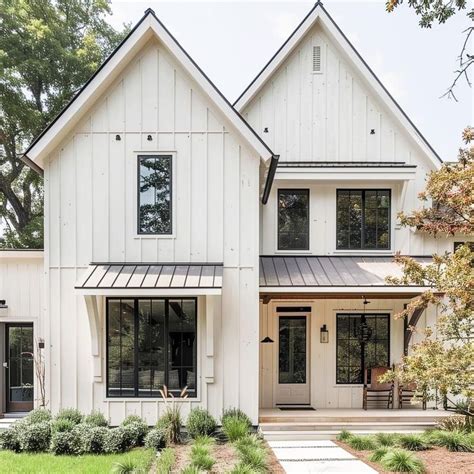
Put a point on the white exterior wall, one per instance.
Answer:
(329, 116)
(90, 208)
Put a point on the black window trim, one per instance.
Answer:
(362, 247)
(360, 313)
(135, 349)
(145, 155)
(308, 230)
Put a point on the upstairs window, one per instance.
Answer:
(363, 219)
(293, 219)
(155, 194)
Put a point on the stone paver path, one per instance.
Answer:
(317, 456)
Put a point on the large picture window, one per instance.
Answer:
(363, 219)
(353, 354)
(150, 343)
(155, 194)
(293, 219)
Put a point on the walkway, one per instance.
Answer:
(317, 456)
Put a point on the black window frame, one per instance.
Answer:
(362, 233)
(141, 157)
(191, 393)
(359, 315)
(293, 190)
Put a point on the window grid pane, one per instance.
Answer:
(293, 219)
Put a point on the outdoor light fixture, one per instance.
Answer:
(118, 138)
(324, 335)
(41, 343)
(3, 304)
(267, 339)
(149, 138)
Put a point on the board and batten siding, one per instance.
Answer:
(329, 116)
(90, 207)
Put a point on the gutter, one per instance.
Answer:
(270, 177)
(29, 162)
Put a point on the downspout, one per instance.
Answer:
(270, 178)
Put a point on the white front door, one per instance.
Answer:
(292, 364)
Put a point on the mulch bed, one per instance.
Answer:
(437, 460)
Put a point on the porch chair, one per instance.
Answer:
(406, 394)
(376, 392)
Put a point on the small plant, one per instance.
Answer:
(361, 443)
(236, 413)
(96, 418)
(344, 435)
(254, 457)
(170, 424)
(201, 458)
(62, 424)
(66, 442)
(115, 441)
(234, 428)
(399, 460)
(386, 439)
(200, 423)
(249, 440)
(191, 470)
(128, 466)
(70, 414)
(135, 431)
(241, 468)
(38, 415)
(34, 437)
(165, 461)
(92, 438)
(9, 439)
(455, 441)
(378, 454)
(456, 423)
(413, 442)
(155, 439)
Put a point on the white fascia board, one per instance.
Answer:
(162, 292)
(345, 289)
(21, 255)
(345, 174)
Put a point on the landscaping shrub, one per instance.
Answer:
(236, 413)
(128, 466)
(92, 438)
(379, 453)
(386, 439)
(249, 440)
(398, 460)
(456, 423)
(96, 418)
(70, 414)
(9, 439)
(253, 456)
(191, 470)
(115, 441)
(361, 443)
(66, 442)
(38, 415)
(452, 440)
(165, 461)
(413, 442)
(234, 428)
(155, 439)
(170, 423)
(132, 419)
(344, 435)
(200, 423)
(34, 437)
(201, 458)
(241, 468)
(135, 432)
(62, 424)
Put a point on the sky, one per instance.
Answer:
(231, 41)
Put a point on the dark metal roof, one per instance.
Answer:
(344, 164)
(309, 271)
(147, 275)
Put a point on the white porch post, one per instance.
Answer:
(94, 327)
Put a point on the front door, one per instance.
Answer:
(19, 367)
(292, 384)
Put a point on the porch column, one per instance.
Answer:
(94, 327)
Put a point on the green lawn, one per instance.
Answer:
(44, 463)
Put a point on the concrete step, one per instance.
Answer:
(359, 425)
(6, 422)
(349, 419)
(281, 435)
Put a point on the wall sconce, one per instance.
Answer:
(149, 138)
(324, 335)
(118, 138)
(41, 344)
(3, 304)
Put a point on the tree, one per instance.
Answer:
(444, 360)
(439, 11)
(48, 50)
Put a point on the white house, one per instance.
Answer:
(181, 231)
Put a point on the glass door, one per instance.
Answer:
(292, 364)
(19, 367)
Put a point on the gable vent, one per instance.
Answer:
(317, 59)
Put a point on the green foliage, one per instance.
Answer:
(71, 414)
(234, 428)
(38, 415)
(170, 423)
(9, 439)
(200, 423)
(361, 443)
(398, 460)
(344, 435)
(191, 470)
(249, 440)
(241, 468)
(96, 418)
(235, 413)
(115, 441)
(155, 439)
(131, 419)
(62, 424)
(386, 439)
(457, 423)
(379, 453)
(34, 437)
(455, 441)
(66, 442)
(413, 442)
(201, 458)
(253, 456)
(127, 466)
(165, 461)
(92, 438)
(135, 432)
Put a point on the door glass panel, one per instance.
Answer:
(292, 350)
(20, 363)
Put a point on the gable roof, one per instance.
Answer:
(149, 26)
(319, 14)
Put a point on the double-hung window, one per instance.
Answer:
(155, 194)
(293, 219)
(151, 342)
(363, 219)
